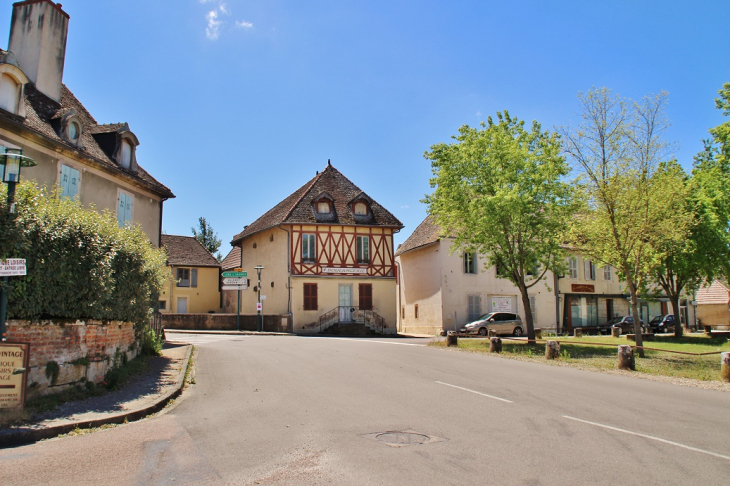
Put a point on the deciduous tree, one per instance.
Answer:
(500, 191)
(207, 237)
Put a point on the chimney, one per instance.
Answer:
(38, 32)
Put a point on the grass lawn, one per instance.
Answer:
(599, 357)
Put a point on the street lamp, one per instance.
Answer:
(10, 163)
(259, 324)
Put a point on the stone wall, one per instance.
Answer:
(225, 322)
(83, 350)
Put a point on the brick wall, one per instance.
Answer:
(224, 322)
(84, 350)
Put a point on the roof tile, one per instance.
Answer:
(186, 250)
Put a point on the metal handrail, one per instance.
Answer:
(370, 318)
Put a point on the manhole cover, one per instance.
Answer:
(402, 438)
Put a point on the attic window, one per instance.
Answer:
(323, 207)
(9, 93)
(126, 158)
(74, 130)
(361, 209)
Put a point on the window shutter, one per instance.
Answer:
(121, 207)
(193, 277)
(586, 269)
(128, 212)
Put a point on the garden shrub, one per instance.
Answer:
(80, 264)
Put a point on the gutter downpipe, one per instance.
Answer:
(288, 272)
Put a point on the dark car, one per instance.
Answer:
(662, 324)
(625, 323)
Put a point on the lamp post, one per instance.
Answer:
(10, 163)
(259, 324)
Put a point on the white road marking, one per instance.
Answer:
(474, 391)
(371, 341)
(658, 439)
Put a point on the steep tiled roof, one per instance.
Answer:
(186, 250)
(42, 115)
(716, 293)
(232, 260)
(298, 207)
(426, 233)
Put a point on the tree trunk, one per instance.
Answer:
(678, 331)
(636, 316)
(528, 314)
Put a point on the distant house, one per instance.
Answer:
(439, 291)
(327, 252)
(194, 282)
(41, 118)
(713, 305)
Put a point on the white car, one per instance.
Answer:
(500, 322)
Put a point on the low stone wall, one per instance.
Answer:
(225, 322)
(83, 350)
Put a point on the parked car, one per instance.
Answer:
(500, 322)
(625, 323)
(662, 324)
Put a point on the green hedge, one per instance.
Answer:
(80, 264)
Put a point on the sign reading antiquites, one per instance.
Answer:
(13, 373)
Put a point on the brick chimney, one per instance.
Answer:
(38, 32)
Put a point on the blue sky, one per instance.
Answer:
(238, 103)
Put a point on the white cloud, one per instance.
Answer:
(224, 9)
(205, 1)
(405, 206)
(243, 24)
(479, 113)
(211, 31)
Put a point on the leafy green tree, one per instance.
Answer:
(500, 191)
(625, 220)
(207, 237)
(705, 253)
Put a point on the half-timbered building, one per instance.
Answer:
(328, 258)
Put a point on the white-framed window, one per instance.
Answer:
(474, 307)
(126, 159)
(573, 267)
(590, 269)
(361, 209)
(363, 249)
(125, 203)
(69, 182)
(309, 247)
(470, 263)
(9, 93)
(607, 272)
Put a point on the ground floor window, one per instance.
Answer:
(163, 305)
(583, 311)
(474, 307)
(310, 296)
(365, 292)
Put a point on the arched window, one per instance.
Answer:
(126, 160)
(9, 93)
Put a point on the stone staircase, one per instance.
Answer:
(349, 329)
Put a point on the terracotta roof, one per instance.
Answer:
(232, 260)
(716, 293)
(298, 208)
(186, 250)
(426, 234)
(42, 115)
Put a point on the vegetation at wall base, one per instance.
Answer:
(80, 263)
(604, 358)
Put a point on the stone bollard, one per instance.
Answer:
(577, 332)
(538, 333)
(615, 331)
(725, 367)
(452, 339)
(492, 333)
(626, 358)
(552, 350)
(495, 345)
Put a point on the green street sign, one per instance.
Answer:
(235, 274)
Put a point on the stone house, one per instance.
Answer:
(41, 118)
(438, 290)
(193, 285)
(327, 252)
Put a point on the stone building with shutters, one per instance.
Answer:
(193, 285)
(42, 119)
(328, 258)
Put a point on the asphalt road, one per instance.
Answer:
(299, 410)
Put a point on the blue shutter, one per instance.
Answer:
(121, 209)
(69, 182)
(128, 211)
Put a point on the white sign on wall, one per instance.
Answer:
(501, 304)
(12, 267)
(347, 271)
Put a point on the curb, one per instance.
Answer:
(28, 436)
(231, 333)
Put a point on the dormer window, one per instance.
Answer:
(74, 131)
(323, 207)
(126, 157)
(9, 94)
(361, 209)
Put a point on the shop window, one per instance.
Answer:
(310, 296)
(309, 249)
(470, 263)
(365, 292)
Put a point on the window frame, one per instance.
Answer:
(573, 267)
(469, 260)
(183, 277)
(309, 294)
(362, 251)
(607, 273)
(309, 247)
(66, 185)
(589, 269)
(128, 215)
